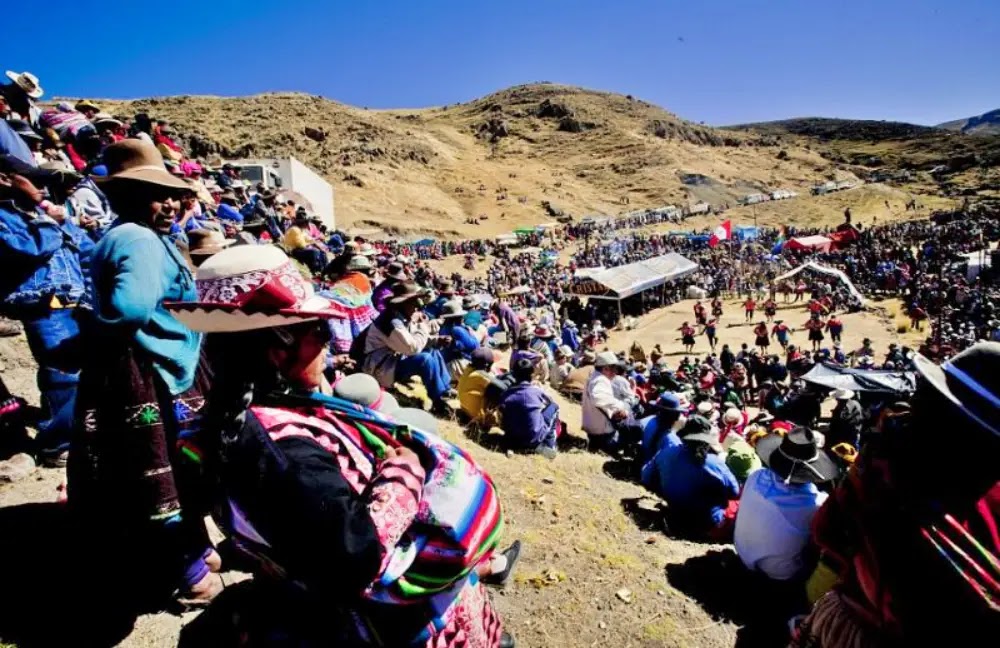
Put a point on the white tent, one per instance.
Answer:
(978, 261)
(822, 269)
(627, 280)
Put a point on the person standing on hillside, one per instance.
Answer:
(142, 388)
(45, 259)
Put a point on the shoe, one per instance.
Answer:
(57, 460)
(442, 409)
(506, 641)
(512, 553)
(9, 328)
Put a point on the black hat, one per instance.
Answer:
(970, 382)
(796, 457)
(698, 428)
(523, 369)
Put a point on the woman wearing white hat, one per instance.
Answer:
(337, 506)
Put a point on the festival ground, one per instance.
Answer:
(597, 569)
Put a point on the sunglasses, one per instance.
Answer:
(295, 333)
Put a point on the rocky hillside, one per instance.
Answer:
(500, 156)
(986, 124)
(926, 159)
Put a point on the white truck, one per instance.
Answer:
(292, 177)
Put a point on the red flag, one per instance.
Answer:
(722, 232)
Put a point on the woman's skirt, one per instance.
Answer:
(815, 336)
(763, 341)
(130, 472)
(688, 340)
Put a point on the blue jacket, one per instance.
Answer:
(41, 259)
(528, 416)
(701, 492)
(463, 342)
(12, 144)
(227, 212)
(570, 338)
(134, 271)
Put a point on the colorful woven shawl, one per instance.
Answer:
(459, 519)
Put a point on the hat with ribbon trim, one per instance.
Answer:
(251, 287)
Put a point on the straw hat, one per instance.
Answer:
(843, 394)
(204, 242)
(104, 119)
(134, 159)
(27, 82)
(251, 287)
(87, 104)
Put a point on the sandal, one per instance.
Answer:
(190, 602)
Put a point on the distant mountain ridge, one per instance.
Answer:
(986, 124)
(828, 128)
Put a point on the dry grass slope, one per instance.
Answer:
(428, 170)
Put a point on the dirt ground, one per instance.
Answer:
(597, 567)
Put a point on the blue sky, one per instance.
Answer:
(720, 62)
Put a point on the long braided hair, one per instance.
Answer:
(242, 371)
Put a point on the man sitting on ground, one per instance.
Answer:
(577, 380)
(660, 430)
(528, 417)
(601, 410)
(396, 346)
(778, 504)
(479, 389)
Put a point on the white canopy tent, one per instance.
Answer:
(633, 278)
(826, 270)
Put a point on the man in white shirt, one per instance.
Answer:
(601, 410)
(778, 504)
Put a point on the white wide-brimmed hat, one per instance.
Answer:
(606, 359)
(843, 394)
(27, 82)
(251, 287)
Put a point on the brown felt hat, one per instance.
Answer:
(139, 160)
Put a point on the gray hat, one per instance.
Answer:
(416, 418)
(606, 359)
(452, 310)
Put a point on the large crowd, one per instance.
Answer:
(207, 346)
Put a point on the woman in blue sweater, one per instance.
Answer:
(140, 395)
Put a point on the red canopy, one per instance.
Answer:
(811, 243)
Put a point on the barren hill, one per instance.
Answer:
(986, 124)
(428, 170)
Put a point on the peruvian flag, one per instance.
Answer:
(722, 232)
